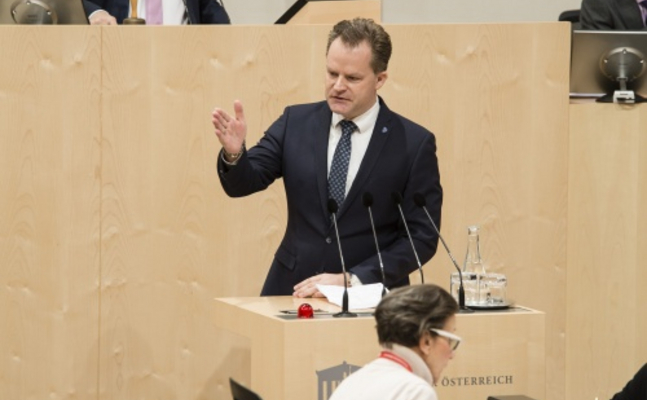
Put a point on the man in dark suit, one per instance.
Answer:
(622, 15)
(111, 12)
(388, 154)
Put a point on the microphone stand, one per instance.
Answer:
(368, 201)
(133, 20)
(463, 309)
(344, 313)
(397, 198)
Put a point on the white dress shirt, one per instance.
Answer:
(387, 380)
(359, 140)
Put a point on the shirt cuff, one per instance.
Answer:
(354, 280)
(96, 11)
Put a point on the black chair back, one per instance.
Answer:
(240, 392)
(572, 16)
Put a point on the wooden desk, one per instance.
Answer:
(290, 359)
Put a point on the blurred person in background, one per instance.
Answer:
(415, 327)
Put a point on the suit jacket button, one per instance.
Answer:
(328, 240)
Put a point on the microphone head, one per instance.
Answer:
(419, 200)
(332, 206)
(397, 197)
(367, 198)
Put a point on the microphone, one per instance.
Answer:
(344, 313)
(367, 198)
(420, 201)
(397, 198)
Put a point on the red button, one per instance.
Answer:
(305, 311)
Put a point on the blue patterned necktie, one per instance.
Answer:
(339, 165)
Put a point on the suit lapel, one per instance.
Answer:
(381, 133)
(321, 133)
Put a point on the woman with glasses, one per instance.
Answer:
(415, 326)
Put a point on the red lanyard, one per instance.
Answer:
(395, 358)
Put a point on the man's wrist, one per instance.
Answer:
(232, 158)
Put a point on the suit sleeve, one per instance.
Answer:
(213, 12)
(257, 168)
(90, 7)
(636, 388)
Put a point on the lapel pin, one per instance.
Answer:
(385, 130)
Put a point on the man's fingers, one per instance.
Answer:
(219, 120)
(238, 110)
(102, 17)
(302, 288)
(306, 288)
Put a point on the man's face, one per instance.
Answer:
(351, 84)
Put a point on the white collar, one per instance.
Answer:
(365, 121)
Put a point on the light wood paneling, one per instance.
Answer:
(167, 220)
(496, 96)
(49, 211)
(606, 276)
(171, 238)
(171, 241)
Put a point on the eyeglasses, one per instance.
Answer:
(454, 340)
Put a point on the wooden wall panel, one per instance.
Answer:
(496, 97)
(49, 212)
(606, 276)
(170, 240)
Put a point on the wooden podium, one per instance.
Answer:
(285, 358)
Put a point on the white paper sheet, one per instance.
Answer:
(359, 297)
